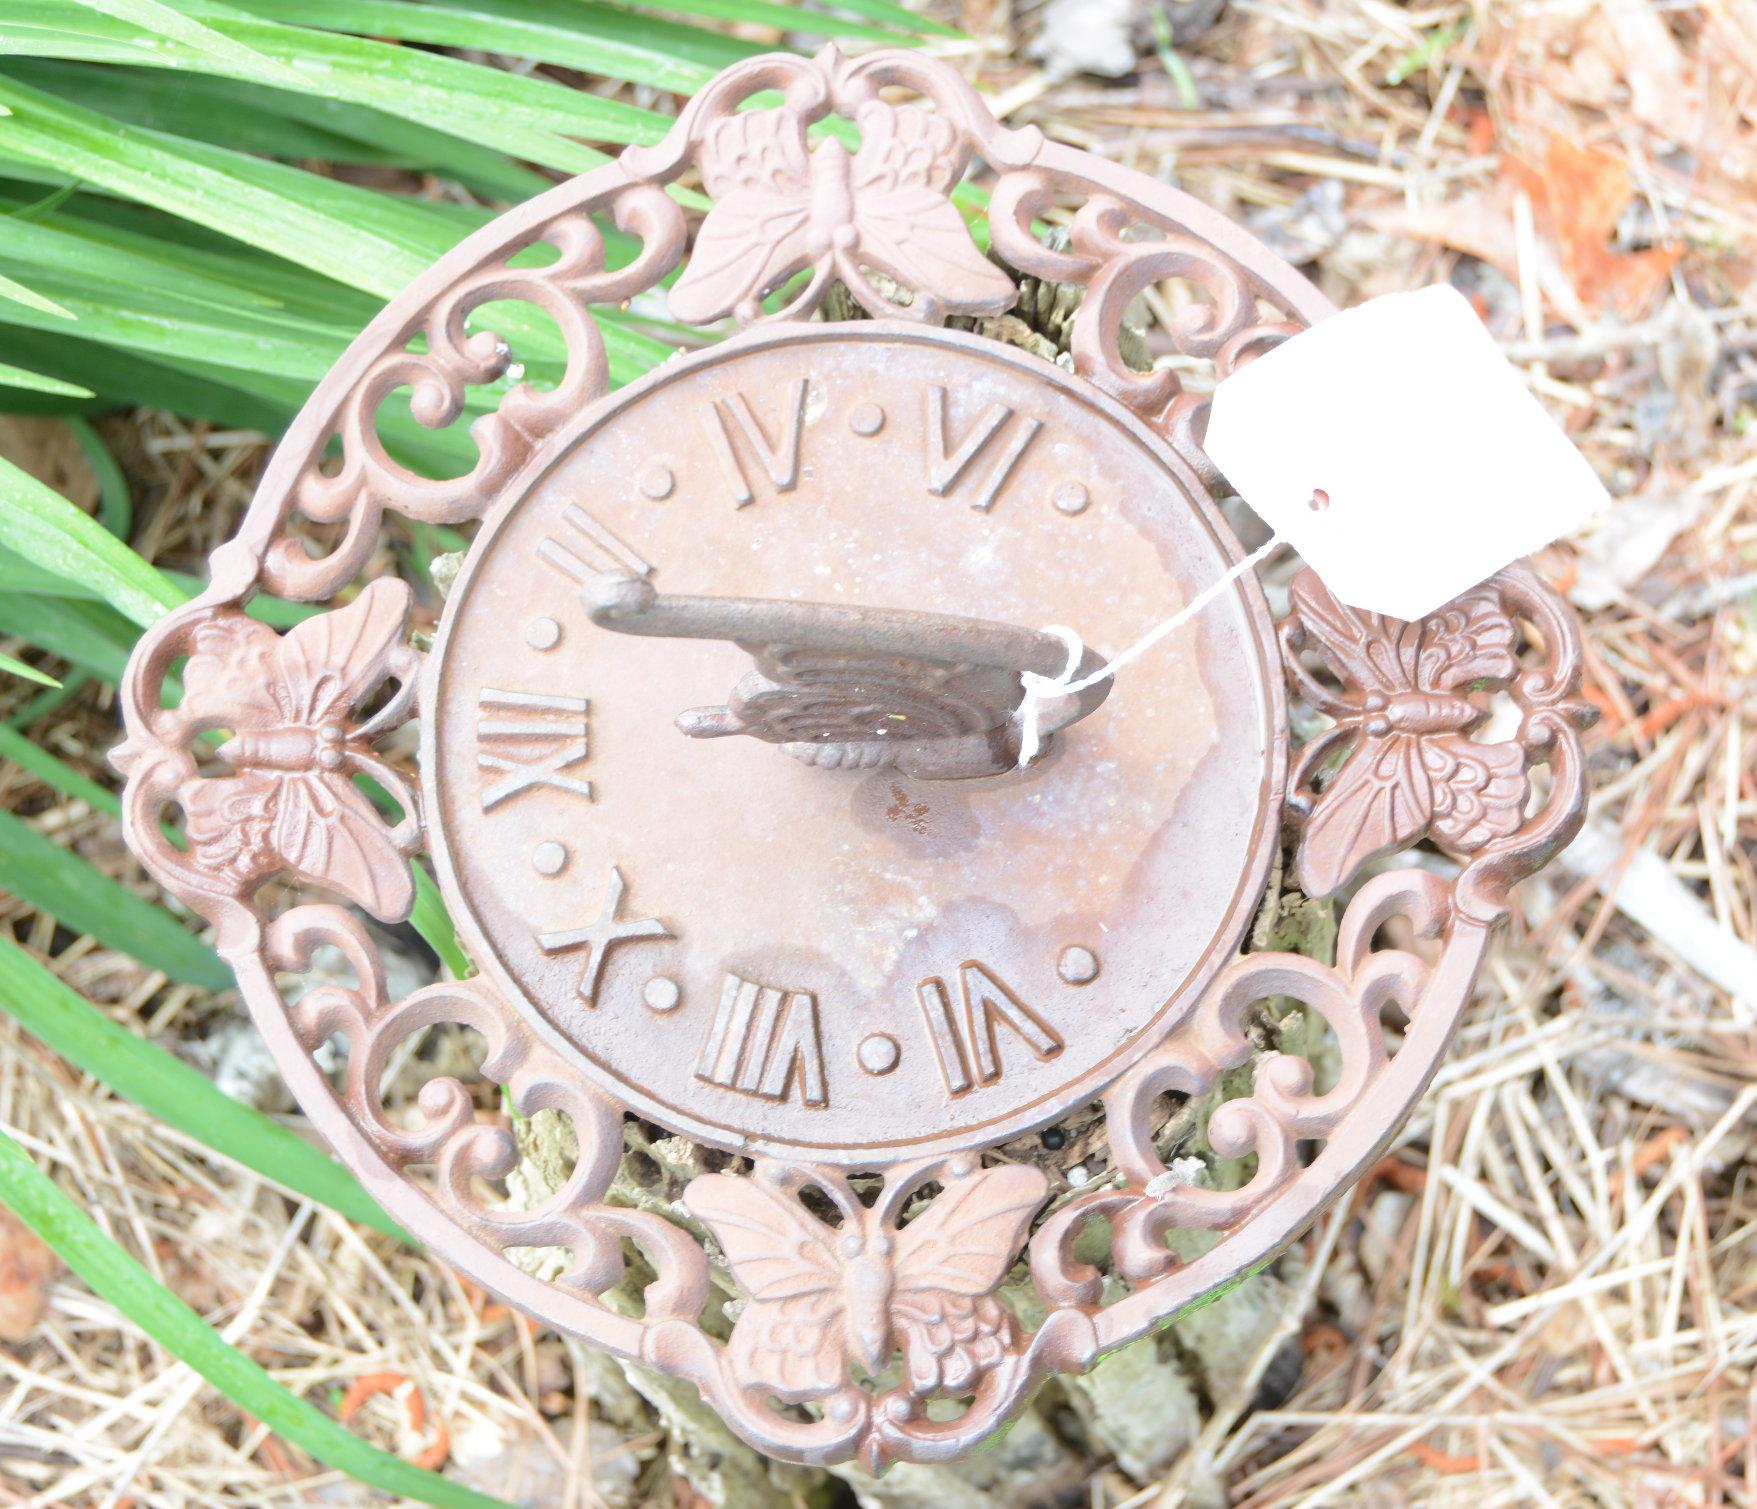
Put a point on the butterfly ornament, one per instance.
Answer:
(1410, 766)
(289, 704)
(823, 1299)
(782, 206)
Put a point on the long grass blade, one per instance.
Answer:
(84, 900)
(87, 634)
(798, 18)
(374, 242)
(111, 1273)
(431, 920)
(181, 1097)
(593, 39)
(47, 530)
(115, 505)
(529, 118)
(36, 382)
(279, 123)
(12, 667)
(163, 21)
(11, 288)
(56, 774)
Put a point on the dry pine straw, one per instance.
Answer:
(1547, 1293)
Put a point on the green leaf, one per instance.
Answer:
(56, 773)
(431, 920)
(112, 259)
(593, 39)
(897, 15)
(123, 378)
(90, 635)
(278, 123)
(17, 377)
(115, 507)
(1430, 49)
(156, 320)
(161, 1083)
(46, 529)
(163, 21)
(791, 17)
(28, 672)
(39, 1202)
(369, 241)
(84, 900)
(19, 294)
(528, 117)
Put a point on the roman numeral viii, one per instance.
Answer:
(764, 1041)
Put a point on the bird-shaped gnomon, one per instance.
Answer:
(933, 695)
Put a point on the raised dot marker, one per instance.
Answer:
(542, 633)
(866, 419)
(549, 857)
(878, 1053)
(1077, 966)
(1071, 498)
(661, 993)
(657, 482)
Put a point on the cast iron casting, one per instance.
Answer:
(857, 963)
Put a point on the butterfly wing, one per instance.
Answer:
(760, 150)
(749, 244)
(325, 829)
(950, 1340)
(1367, 650)
(789, 1337)
(964, 1242)
(232, 675)
(792, 1346)
(1479, 790)
(909, 229)
(1380, 800)
(949, 1260)
(229, 821)
(329, 664)
(900, 148)
(758, 169)
(1468, 642)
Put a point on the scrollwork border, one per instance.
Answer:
(421, 342)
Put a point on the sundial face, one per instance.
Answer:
(880, 946)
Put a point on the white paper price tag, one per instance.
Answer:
(1399, 453)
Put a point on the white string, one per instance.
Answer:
(1039, 688)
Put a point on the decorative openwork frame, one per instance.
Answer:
(807, 1372)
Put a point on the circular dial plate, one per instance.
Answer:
(849, 964)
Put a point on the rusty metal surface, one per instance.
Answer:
(1098, 893)
(849, 964)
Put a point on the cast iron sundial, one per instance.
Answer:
(848, 926)
(725, 778)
